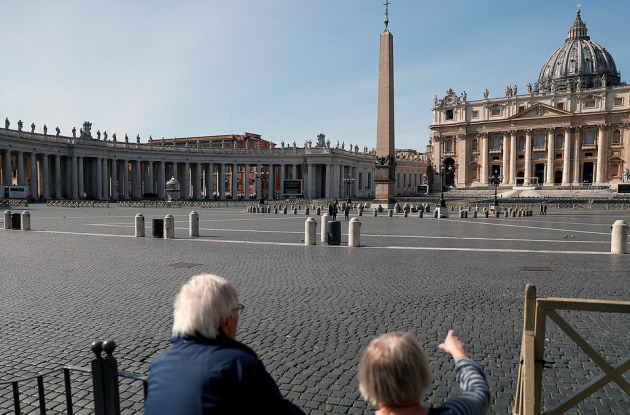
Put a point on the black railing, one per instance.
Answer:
(105, 383)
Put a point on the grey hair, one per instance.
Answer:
(201, 304)
(394, 370)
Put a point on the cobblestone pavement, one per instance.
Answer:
(79, 276)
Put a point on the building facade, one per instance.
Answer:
(570, 128)
(87, 167)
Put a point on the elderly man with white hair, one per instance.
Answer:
(206, 371)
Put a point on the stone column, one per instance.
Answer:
(7, 174)
(20, 168)
(209, 173)
(222, 181)
(576, 154)
(566, 157)
(235, 181)
(99, 178)
(105, 180)
(124, 186)
(283, 172)
(513, 157)
(149, 180)
(80, 184)
(58, 195)
(601, 153)
(33, 176)
(197, 182)
(46, 177)
(174, 171)
(528, 158)
(114, 179)
(550, 153)
(75, 178)
(328, 191)
(185, 183)
(294, 171)
(161, 181)
(462, 171)
(506, 158)
(272, 182)
(484, 159)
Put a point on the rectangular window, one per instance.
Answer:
(360, 181)
(449, 114)
(398, 180)
(521, 108)
(589, 103)
(521, 156)
(495, 112)
(368, 185)
(618, 102)
(475, 114)
(589, 138)
(560, 105)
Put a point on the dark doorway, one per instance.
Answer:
(449, 177)
(557, 177)
(520, 178)
(587, 172)
(539, 171)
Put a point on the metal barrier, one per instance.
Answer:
(78, 203)
(105, 381)
(13, 202)
(529, 383)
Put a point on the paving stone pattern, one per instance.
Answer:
(79, 276)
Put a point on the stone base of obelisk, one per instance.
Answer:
(384, 194)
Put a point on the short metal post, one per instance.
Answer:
(375, 212)
(318, 211)
(390, 213)
(193, 221)
(306, 211)
(295, 211)
(26, 221)
(139, 226)
(169, 227)
(354, 232)
(619, 238)
(310, 231)
(110, 379)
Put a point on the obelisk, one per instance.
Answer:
(385, 164)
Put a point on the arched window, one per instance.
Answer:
(589, 138)
(616, 139)
(559, 140)
(521, 143)
(475, 145)
(449, 146)
(540, 140)
(496, 142)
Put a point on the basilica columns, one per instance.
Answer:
(601, 152)
(58, 177)
(506, 160)
(114, 179)
(528, 158)
(566, 158)
(550, 153)
(7, 174)
(46, 177)
(512, 158)
(576, 155)
(75, 178)
(32, 168)
(20, 168)
(484, 159)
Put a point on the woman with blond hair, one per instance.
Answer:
(394, 371)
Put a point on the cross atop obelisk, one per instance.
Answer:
(385, 164)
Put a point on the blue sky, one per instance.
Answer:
(286, 69)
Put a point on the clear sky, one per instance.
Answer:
(286, 69)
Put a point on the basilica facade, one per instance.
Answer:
(570, 128)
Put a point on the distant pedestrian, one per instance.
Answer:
(542, 208)
(334, 211)
(346, 211)
(545, 210)
(330, 209)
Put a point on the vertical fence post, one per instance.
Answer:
(110, 379)
(97, 378)
(525, 394)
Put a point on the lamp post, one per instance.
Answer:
(496, 180)
(443, 170)
(349, 180)
(262, 175)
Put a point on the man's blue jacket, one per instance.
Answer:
(197, 375)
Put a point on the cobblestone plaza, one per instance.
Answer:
(81, 276)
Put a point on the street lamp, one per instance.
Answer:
(496, 180)
(262, 175)
(349, 180)
(443, 170)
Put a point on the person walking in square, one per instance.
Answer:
(334, 211)
(346, 211)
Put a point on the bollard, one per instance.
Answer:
(375, 212)
(299, 207)
(193, 224)
(354, 232)
(496, 213)
(310, 231)
(295, 211)
(318, 211)
(26, 221)
(390, 213)
(513, 213)
(360, 211)
(139, 233)
(420, 213)
(158, 228)
(306, 211)
(169, 227)
(7, 219)
(507, 215)
(461, 214)
(333, 232)
(275, 210)
(325, 218)
(519, 213)
(427, 208)
(486, 213)
(619, 238)
(284, 210)
(475, 214)
(435, 213)
(406, 212)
